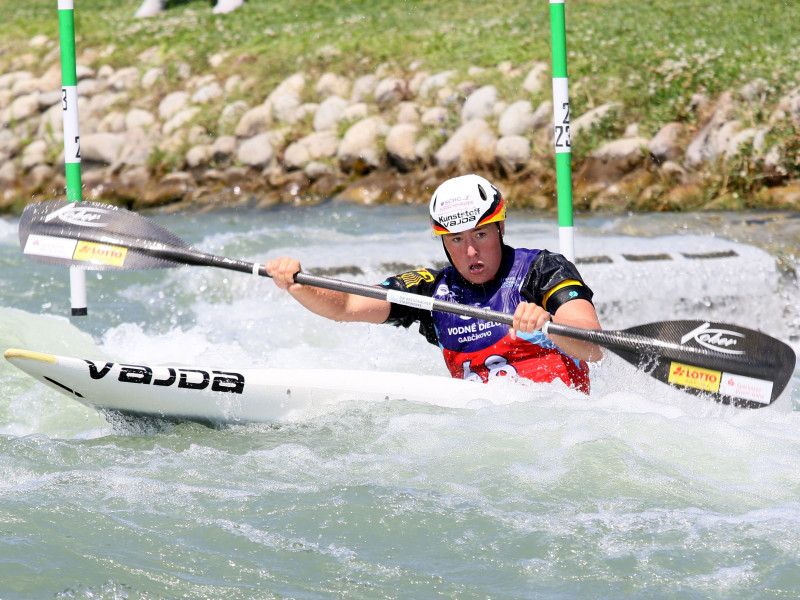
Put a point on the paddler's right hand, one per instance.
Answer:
(282, 270)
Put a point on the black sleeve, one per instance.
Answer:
(547, 272)
(419, 281)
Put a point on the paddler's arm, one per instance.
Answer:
(338, 306)
(530, 317)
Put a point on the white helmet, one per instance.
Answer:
(465, 202)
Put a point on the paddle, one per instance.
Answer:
(729, 363)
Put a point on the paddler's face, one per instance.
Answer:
(476, 253)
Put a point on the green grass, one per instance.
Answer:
(651, 56)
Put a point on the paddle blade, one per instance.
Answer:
(94, 236)
(732, 364)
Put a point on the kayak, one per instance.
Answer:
(225, 396)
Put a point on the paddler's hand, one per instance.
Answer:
(528, 317)
(282, 270)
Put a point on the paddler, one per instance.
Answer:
(468, 214)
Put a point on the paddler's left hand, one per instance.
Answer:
(282, 270)
(528, 317)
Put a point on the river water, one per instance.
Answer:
(636, 491)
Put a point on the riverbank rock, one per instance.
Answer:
(314, 132)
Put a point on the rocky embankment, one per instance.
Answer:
(379, 137)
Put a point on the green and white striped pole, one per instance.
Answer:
(558, 40)
(72, 145)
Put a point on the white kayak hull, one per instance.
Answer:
(221, 396)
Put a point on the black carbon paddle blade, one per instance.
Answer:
(95, 236)
(731, 364)
(734, 364)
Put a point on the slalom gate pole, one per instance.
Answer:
(558, 40)
(72, 146)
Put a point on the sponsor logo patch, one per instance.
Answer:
(45, 245)
(719, 340)
(190, 379)
(694, 377)
(414, 278)
(453, 204)
(459, 218)
(84, 216)
(100, 254)
(747, 388)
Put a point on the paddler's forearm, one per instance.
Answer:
(331, 304)
(577, 348)
(577, 313)
(340, 306)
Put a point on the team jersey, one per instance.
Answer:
(481, 350)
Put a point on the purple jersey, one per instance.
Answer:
(480, 350)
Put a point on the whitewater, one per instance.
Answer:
(537, 491)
